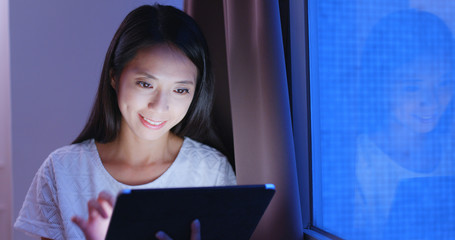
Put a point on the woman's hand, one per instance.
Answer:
(99, 215)
(195, 232)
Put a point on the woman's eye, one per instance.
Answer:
(144, 84)
(182, 91)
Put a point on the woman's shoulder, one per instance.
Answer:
(65, 162)
(201, 156)
(75, 148)
(194, 148)
(75, 151)
(206, 165)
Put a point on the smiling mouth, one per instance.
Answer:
(427, 119)
(151, 122)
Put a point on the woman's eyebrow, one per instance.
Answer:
(147, 75)
(186, 82)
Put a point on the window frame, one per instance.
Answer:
(300, 98)
(301, 113)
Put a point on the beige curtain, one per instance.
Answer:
(247, 52)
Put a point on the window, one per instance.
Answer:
(377, 80)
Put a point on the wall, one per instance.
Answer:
(57, 51)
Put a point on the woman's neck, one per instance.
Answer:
(131, 150)
(416, 152)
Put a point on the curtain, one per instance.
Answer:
(246, 44)
(6, 183)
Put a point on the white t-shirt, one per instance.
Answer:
(74, 174)
(378, 176)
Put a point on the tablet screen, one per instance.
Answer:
(229, 212)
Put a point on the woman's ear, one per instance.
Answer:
(113, 83)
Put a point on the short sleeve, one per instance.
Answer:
(40, 215)
(226, 175)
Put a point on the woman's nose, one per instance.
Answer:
(429, 98)
(159, 102)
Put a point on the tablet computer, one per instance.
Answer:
(228, 212)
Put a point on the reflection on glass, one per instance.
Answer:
(404, 165)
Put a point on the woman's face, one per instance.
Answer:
(155, 91)
(421, 91)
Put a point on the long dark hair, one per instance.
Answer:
(143, 27)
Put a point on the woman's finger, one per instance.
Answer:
(106, 197)
(106, 201)
(80, 222)
(162, 236)
(196, 230)
(94, 208)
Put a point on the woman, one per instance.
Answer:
(406, 109)
(148, 128)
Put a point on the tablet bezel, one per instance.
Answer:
(227, 212)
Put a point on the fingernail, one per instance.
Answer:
(196, 222)
(159, 234)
